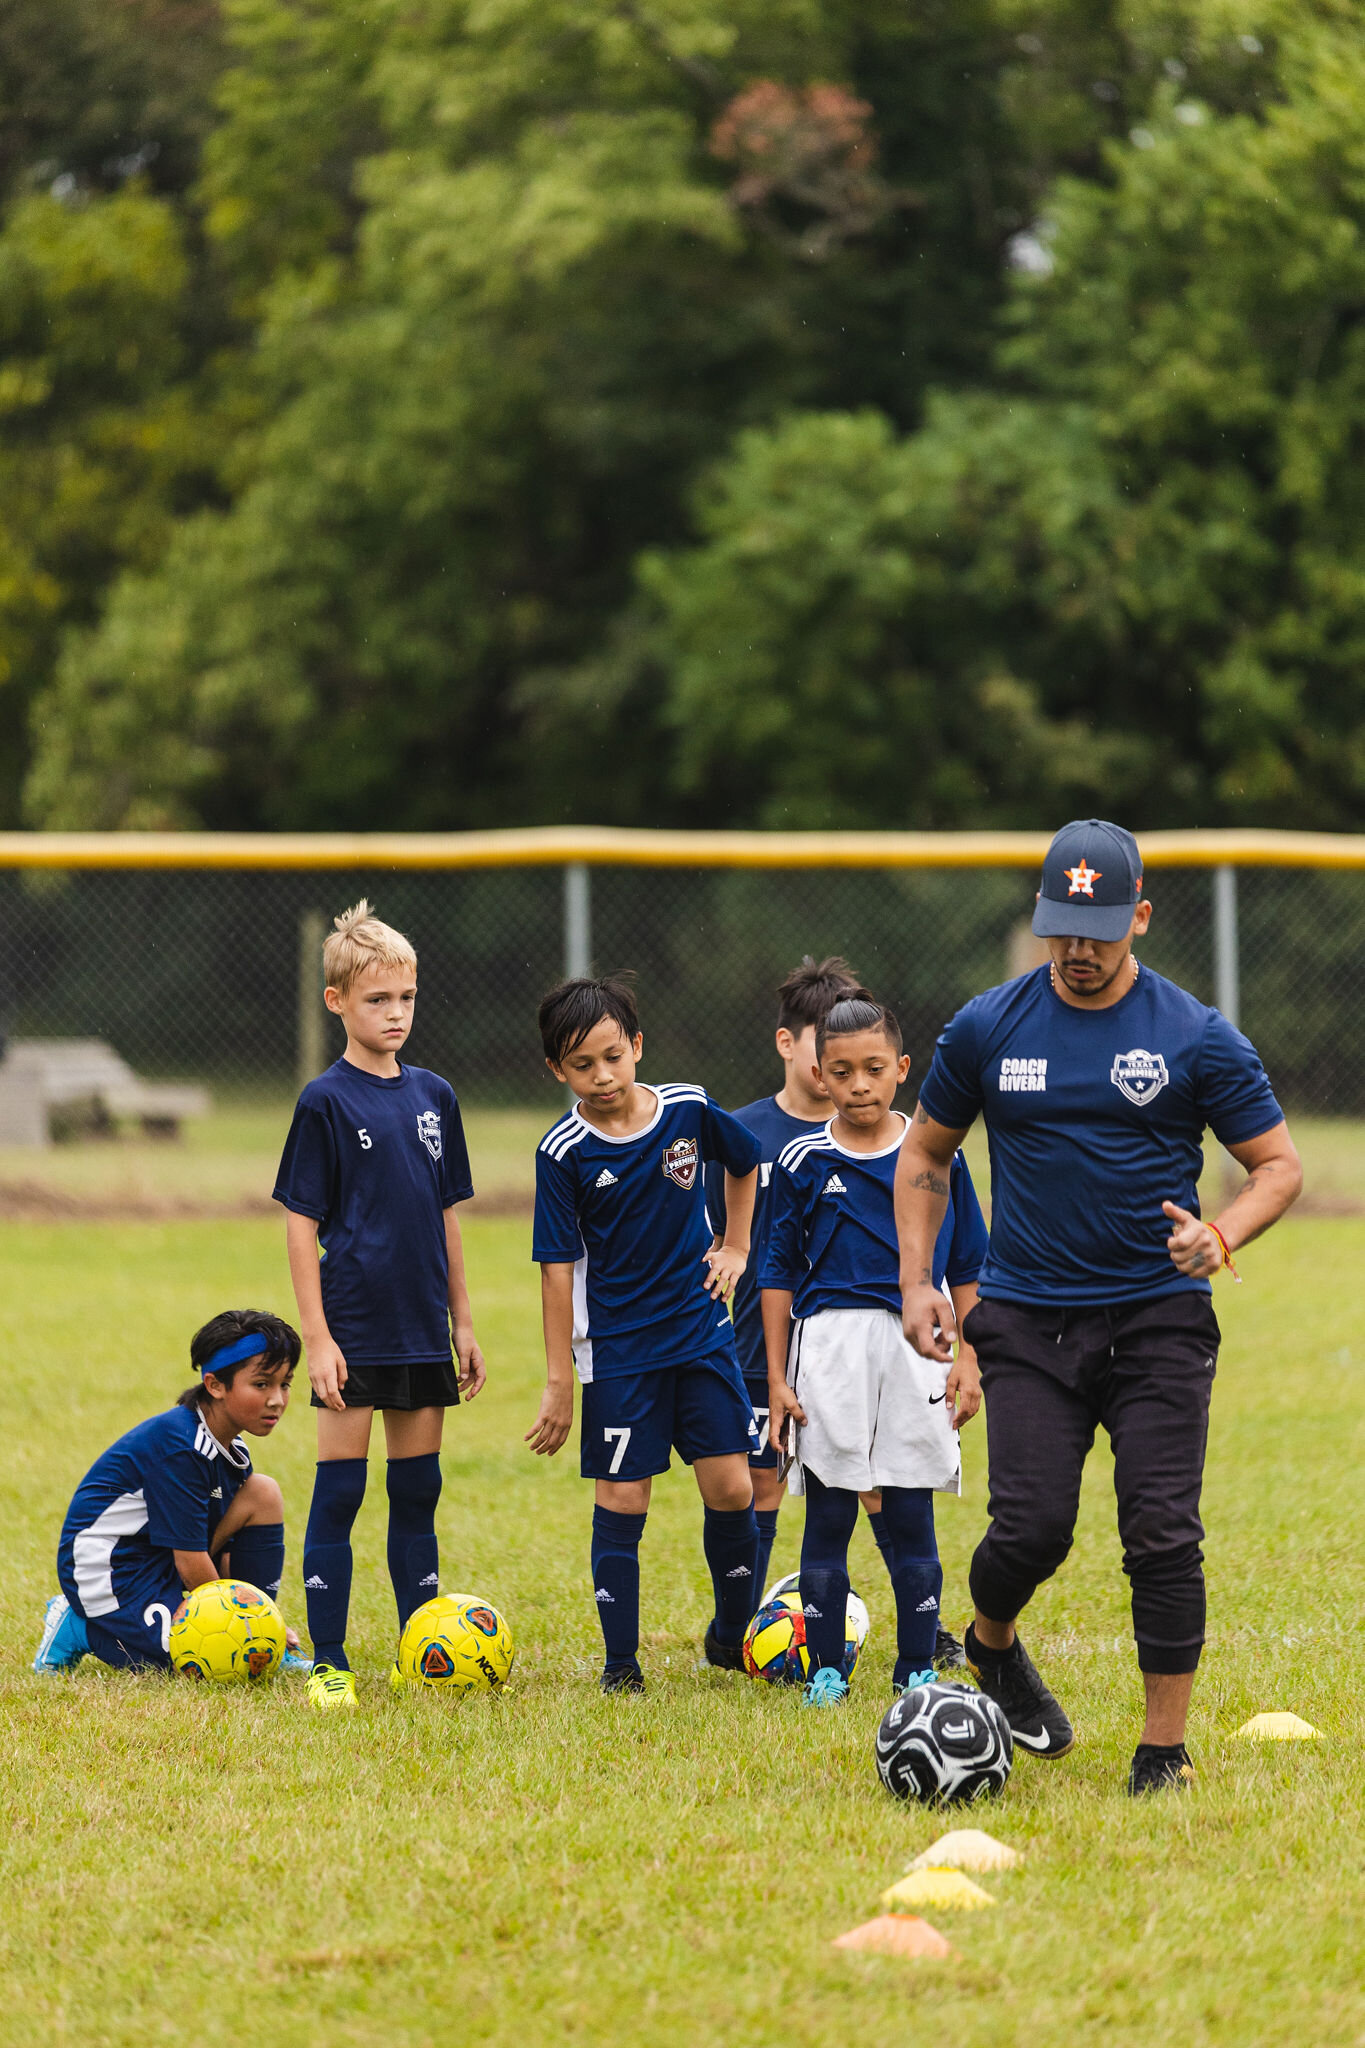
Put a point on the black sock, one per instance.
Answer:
(831, 1517)
(414, 1486)
(616, 1582)
(882, 1535)
(730, 1540)
(767, 1536)
(338, 1490)
(257, 1554)
(917, 1576)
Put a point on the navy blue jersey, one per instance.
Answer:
(376, 1163)
(630, 1215)
(161, 1488)
(774, 1127)
(831, 1237)
(1095, 1118)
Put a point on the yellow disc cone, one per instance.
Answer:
(1277, 1728)
(935, 1888)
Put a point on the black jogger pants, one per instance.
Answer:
(1144, 1373)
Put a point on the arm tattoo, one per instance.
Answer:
(921, 1115)
(926, 1278)
(933, 1182)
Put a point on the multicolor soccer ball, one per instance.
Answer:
(457, 1642)
(227, 1632)
(944, 1743)
(775, 1640)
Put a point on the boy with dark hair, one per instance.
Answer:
(174, 1504)
(373, 1169)
(856, 1408)
(634, 1288)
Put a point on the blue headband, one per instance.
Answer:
(233, 1354)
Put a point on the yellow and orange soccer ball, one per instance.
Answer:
(458, 1643)
(227, 1632)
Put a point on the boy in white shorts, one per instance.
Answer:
(852, 1405)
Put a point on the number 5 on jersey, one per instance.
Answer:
(366, 1140)
(622, 1437)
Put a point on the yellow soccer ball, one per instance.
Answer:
(227, 1632)
(457, 1642)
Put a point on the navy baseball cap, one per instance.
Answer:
(1092, 881)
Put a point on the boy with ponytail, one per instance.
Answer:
(373, 1168)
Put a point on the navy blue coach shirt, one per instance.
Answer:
(376, 1163)
(1095, 1118)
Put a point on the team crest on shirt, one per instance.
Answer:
(680, 1162)
(1139, 1075)
(429, 1130)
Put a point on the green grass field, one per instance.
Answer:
(191, 1867)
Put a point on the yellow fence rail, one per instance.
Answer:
(602, 845)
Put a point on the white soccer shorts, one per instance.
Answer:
(876, 1414)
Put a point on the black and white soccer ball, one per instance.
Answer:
(944, 1743)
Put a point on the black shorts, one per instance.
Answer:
(400, 1386)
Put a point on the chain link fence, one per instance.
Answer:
(212, 974)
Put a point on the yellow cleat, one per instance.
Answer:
(397, 1680)
(329, 1688)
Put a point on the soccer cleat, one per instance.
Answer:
(916, 1678)
(329, 1688)
(397, 1682)
(1159, 1768)
(1011, 1679)
(622, 1678)
(63, 1642)
(295, 1661)
(827, 1689)
(949, 1654)
(725, 1656)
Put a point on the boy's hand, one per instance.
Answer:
(554, 1421)
(783, 1410)
(472, 1370)
(963, 1390)
(725, 1265)
(327, 1373)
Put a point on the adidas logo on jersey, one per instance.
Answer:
(605, 1598)
(812, 1610)
(834, 1186)
(315, 1585)
(605, 1179)
(430, 1580)
(929, 1606)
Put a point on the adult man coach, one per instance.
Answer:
(1096, 1078)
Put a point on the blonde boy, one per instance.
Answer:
(373, 1168)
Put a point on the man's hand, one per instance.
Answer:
(725, 1265)
(929, 1322)
(555, 1420)
(963, 1391)
(783, 1410)
(1193, 1246)
(472, 1372)
(327, 1373)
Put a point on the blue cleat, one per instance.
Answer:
(64, 1641)
(929, 1677)
(826, 1689)
(294, 1660)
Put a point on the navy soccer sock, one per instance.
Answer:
(767, 1536)
(729, 1537)
(338, 1490)
(882, 1536)
(616, 1582)
(414, 1488)
(831, 1517)
(257, 1555)
(917, 1576)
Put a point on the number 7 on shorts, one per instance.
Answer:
(623, 1438)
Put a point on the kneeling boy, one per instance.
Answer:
(175, 1503)
(854, 1406)
(634, 1295)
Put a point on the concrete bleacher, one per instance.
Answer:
(55, 1086)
